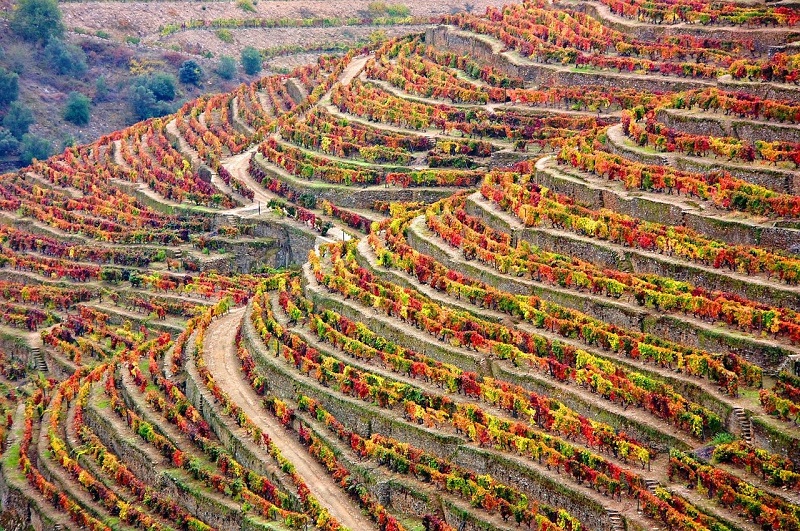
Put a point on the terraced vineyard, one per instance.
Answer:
(532, 269)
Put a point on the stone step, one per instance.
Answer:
(38, 360)
(651, 485)
(745, 425)
(617, 524)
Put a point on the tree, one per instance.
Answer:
(100, 89)
(162, 86)
(34, 147)
(37, 20)
(145, 105)
(251, 60)
(9, 86)
(190, 73)
(8, 143)
(226, 68)
(77, 109)
(18, 119)
(65, 59)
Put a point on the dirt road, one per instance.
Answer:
(220, 355)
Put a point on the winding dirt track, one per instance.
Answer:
(220, 355)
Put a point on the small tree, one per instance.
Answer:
(18, 119)
(34, 147)
(190, 73)
(9, 86)
(37, 20)
(8, 144)
(100, 89)
(251, 60)
(226, 68)
(65, 59)
(162, 86)
(77, 109)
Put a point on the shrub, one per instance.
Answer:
(145, 105)
(246, 5)
(65, 59)
(34, 147)
(9, 86)
(37, 20)
(162, 86)
(100, 89)
(251, 60)
(77, 109)
(8, 144)
(225, 35)
(190, 73)
(226, 68)
(18, 119)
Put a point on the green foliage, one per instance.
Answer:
(150, 95)
(102, 34)
(251, 60)
(381, 9)
(37, 20)
(225, 35)
(18, 119)
(190, 73)
(226, 68)
(8, 144)
(65, 59)
(722, 438)
(34, 147)
(246, 5)
(100, 89)
(145, 105)
(162, 86)
(77, 109)
(9, 86)
(130, 39)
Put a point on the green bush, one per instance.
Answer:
(34, 147)
(9, 86)
(225, 35)
(251, 60)
(65, 59)
(246, 5)
(77, 109)
(160, 84)
(145, 105)
(8, 144)
(190, 73)
(37, 20)
(100, 89)
(226, 68)
(18, 119)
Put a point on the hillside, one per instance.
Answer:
(534, 268)
(120, 42)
